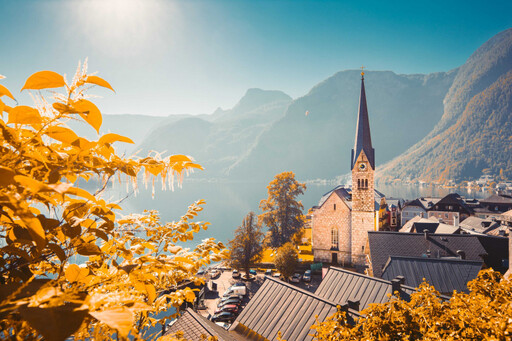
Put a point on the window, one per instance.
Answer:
(335, 207)
(334, 239)
(358, 183)
(365, 183)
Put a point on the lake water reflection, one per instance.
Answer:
(228, 202)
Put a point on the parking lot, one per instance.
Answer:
(225, 280)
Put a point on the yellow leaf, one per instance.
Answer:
(89, 112)
(74, 273)
(81, 193)
(35, 229)
(24, 115)
(150, 290)
(111, 138)
(119, 318)
(58, 251)
(44, 80)
(5, 92)
(179, 158)
(2, 106)
(98, 81)
(31, 184)
(6, 176)
(61, 134)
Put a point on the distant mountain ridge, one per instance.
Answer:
(444, 125)
(475, 131)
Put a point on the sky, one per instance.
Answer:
(167, 57)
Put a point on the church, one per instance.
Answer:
(343, 217)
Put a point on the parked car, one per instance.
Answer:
(200, 272)
(296, 278)
(232, 308)
(307, 276)
(214, 273)
(252, 272)
(235, 301)
(224, 325)
(225, 298)
(236, 290)
(268, 272)
(276, 274)
(235, 274)
(224, 316)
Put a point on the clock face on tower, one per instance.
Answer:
(362, 166)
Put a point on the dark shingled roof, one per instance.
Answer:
(363, 140)
(194, 325)
(341, 285)
(497, 199)
(279, 306)
(444, 274)
(386, 244)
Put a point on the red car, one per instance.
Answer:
(231, 308)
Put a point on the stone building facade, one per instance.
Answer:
(342, 219)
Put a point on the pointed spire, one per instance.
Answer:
(363, 140)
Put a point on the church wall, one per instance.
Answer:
(324, 220)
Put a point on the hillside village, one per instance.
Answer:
(365, 248)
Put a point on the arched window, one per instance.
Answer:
(365, 183)
(358, 183)
(334, 238)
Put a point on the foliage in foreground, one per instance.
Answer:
(483, 314)
(246, 248)
(286, 260)
(282, 213)
(48, 224)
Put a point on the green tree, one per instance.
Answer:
(46, 221)
(246, 248)
(287, 260)
(282, 213)
(482, 314)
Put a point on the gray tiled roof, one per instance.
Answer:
(279, 306)
(444, 274)
(492, 250)
(194, 325)
(340, 285)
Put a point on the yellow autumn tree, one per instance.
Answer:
(482, 314)
(129, 268)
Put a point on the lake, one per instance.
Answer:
(228, 202)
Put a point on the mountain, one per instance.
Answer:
(403, 109)
(133, 126)
(475, 131)
(219, 140)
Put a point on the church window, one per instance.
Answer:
(335, 207)
(334, 239)
(365, 183)
(358, 183)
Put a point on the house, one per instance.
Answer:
(282, 307)
(451, 209)
(492, 250)
(497, 203)
(344, 216)
(432, 225)
(483, 226)
(416, 208)
(359, 290)
(445, 274)
(195, 326)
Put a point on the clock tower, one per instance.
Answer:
(363, 193)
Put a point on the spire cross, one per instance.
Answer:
(362, 70)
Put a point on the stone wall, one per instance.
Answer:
(333, 214)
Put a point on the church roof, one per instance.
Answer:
(363, 140)
(346, 195)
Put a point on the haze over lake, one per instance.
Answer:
(228, 202)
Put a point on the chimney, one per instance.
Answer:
(425, 232)
(353, 304)
(462, 254)
(401, 279)
(395, 286)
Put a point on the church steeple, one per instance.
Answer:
(363, 140)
